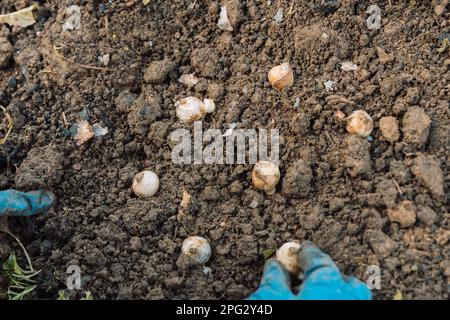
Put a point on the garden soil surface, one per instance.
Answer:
(377, 201)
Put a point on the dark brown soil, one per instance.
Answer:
(339, 188)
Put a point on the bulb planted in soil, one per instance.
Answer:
(265, 176)
(359, 123)
(287, 255)
(191, 109)
(145, 184)
(196, 249)
(281, 76)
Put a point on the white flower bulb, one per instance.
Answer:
(359, 123)
(265, 176)
(197, 249)
(191, 109)
(281, 76)
(145, 184)
(287, 255)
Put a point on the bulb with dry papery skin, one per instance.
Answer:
(281, 76)
(145, 184)
(197, 249)
(191, 109)
(265, 176)
(359, 123)
(287, 255)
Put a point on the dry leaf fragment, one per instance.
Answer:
(184, 205)
(398, 295)
(22, 18)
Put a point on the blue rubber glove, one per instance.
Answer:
(322, 280)
(18, 204)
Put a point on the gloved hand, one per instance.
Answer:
(17, 204)
(322, 280)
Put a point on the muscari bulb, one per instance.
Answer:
(197, 249)
(265, 176)
(281, 76)
(192, 109)
(287, 255)
(145, 184)
(359, 123)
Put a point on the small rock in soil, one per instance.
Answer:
(236, 187)
(390, 87)
(357, 155)
(215, 91)
(41, 169)
(412, 96)
(300, 123)
(14, 110)
(383, 56)
(427, 171)
(404, 214)
(125, 101)
(381, 244)
(145, 111)
(210, 194)
(416, 126)
(205, 61)
(385, 195)
(252, 198)
(297, 180)
(234, 9)
(399, 172)
(6, 52)
(327, 6)
(246, 249)
(389, 128)
(426, 215)
(157, 71)
(158, 133)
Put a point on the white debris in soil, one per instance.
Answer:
(73, 21)
(297, 103)
(188, 79)
(278, 17)
(224, 22)
(104, 59)
(349, 66)
(329, 85)
(99, 131)
(207, 271)
(84, 132)
(324, 37)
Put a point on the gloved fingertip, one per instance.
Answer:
(273, 270)
(43, 200)
(311, 258)
(359, 289)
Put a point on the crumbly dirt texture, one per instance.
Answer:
(378, 201)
